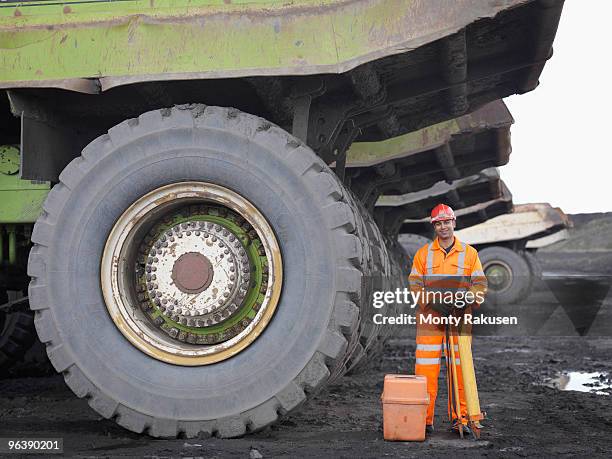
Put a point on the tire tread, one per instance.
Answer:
(341, 211)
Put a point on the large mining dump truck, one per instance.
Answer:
(205, 258)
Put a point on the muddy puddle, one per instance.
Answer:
(596, 383)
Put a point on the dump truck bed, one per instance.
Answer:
(446, 151)
(525, 222)
(147, 40)
(499, 202)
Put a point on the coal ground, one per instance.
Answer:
(524, 417)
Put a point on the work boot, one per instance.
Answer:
(429, 428)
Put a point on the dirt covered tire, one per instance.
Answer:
(315, 221)
(508, 275)
(17, 334)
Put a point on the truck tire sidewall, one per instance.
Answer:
(119, 177)
(520, 286)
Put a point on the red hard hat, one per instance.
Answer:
(442, 212)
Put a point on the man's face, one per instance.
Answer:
(444, 229)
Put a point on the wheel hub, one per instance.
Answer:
(192, 272)
(197, 273)
(206, 277)
(499, 276)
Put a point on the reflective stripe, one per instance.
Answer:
(423, 361)
(461, 260)
(457, 361)
(429, 347)
(415, 272)
(430, 255)
(450, 276)
(478, 273)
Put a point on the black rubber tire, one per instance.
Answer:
(326, 272)
(535, 268)
(17, 335)
(372, 337)
(412, 242)
(376, 269)
(520, 285)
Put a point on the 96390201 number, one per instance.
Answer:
(33, 445)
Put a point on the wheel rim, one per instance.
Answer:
(499, 276)
(191, 273)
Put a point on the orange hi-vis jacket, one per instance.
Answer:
(459, 269)
(433, 269)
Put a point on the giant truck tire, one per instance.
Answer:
(392, 275)
(411, 243)
(17, 334)
(151, 194)
(535, 269)
(508, 275)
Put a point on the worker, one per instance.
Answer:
(457, 263)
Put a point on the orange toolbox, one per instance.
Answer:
(404, 401)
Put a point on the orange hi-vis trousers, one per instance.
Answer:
(430, 345)
(458, 269)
